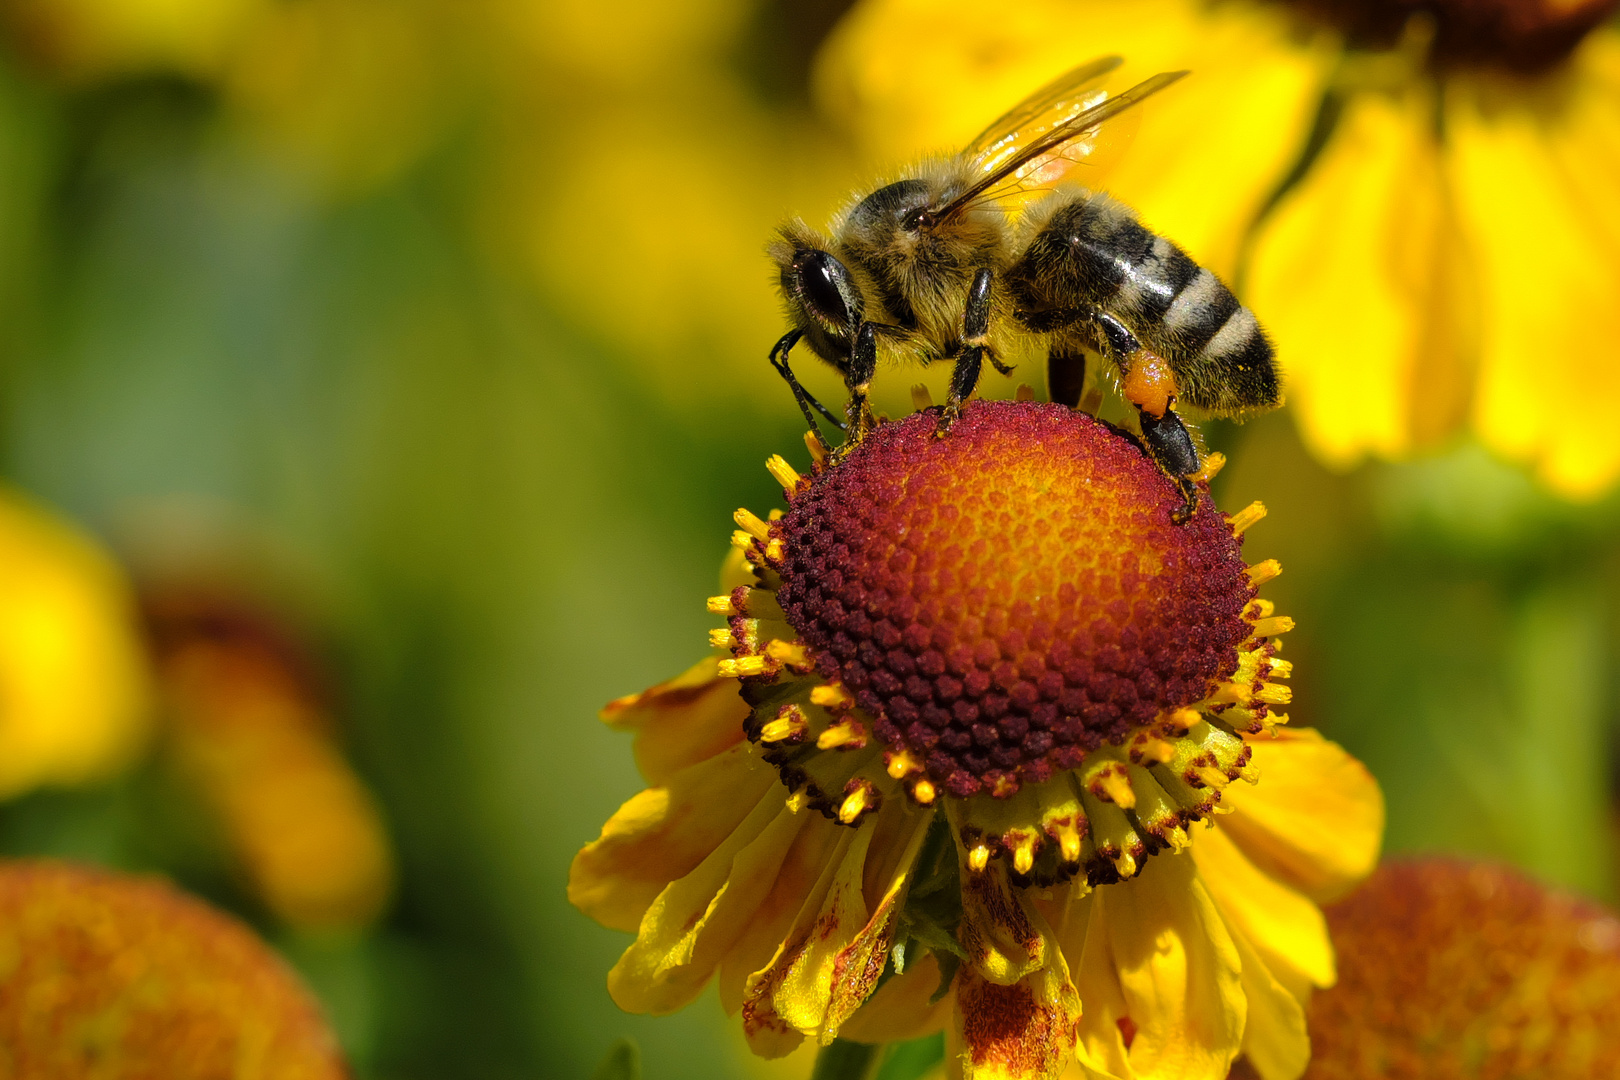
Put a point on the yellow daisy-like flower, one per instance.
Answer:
(1420, 199)
(976, 693)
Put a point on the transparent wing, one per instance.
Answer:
(1070, 93)
(1034, 145)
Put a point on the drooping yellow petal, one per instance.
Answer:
(1179, 971)
(682, 721)
(1349, 273)
(1025, 1031)
(1285, 927)
(1001, 933)
(662, 834)
(797, 878)
(1315, 820)
(1028, 1028)
(837, 948)
(695, 920)
(1274, 1038)
(1537, 176)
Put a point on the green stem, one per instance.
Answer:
(844, 1060)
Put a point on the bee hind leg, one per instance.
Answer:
(1171, 447)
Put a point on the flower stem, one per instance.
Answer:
(844, 1060)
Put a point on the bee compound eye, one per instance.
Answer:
(826, 289)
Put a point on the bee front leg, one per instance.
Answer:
(975, 349)
(779, 361)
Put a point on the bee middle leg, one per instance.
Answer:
(975, 349)
(1066, 375)
(858, 377)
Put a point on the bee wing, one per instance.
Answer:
(1044, 137)
(1077, 89)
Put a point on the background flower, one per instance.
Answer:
(116, 976)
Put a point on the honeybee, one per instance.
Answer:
(972, 256)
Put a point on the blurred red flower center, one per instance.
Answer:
(1005, 598)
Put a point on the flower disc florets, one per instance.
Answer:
(1004, 617)
(1009, 597)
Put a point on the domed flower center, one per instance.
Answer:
(1009, 597)
(1002, 622)
(1526, 36)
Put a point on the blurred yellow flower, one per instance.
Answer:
(1420, 204)
(111, 977)
(250, 729)
(74, 687)
(87, 40)
(978, 691)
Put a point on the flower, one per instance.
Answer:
(975, 693)
(73, 676)
(112, 976)
(252, 731)
(1456, 969)
(1418, 200)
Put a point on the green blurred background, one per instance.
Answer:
(455, 317)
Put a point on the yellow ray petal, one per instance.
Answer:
(1102, 1045)
(796, 879)
(662, 834)
(1285, 927)
(696, 919)
(1537, 185)
(682, 721)
(1315, 820)
(1179, 972)
(1274, 1038)
(1346, 274)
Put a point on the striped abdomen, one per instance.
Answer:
(1091, 251)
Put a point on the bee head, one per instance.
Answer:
(823, 299)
